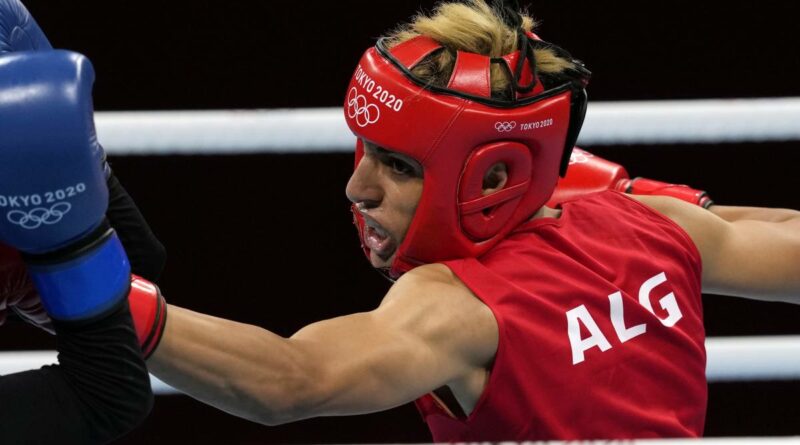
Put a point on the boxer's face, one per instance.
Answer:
(386, 186)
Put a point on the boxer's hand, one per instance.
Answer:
(588, 173)
(18, 29)
(53, 193)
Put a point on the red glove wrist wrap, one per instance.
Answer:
(644, 186)
(149, 312)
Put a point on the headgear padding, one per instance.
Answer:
(457, 133)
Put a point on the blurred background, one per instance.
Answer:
(267, 239)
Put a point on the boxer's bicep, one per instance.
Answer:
(421, 338)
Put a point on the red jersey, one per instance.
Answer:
(600, 329)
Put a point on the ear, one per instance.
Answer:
(495, 178)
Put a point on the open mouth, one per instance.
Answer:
(378, 241)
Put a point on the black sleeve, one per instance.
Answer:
(145, 252)
(99, 391)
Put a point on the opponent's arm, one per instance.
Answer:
(428, 331)
(20, 32)
(55, 197)
(753, 258)
(145, 252)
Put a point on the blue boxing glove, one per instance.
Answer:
(18, 29)
(53, 193)
(20, 32)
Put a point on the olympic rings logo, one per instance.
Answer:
(38, 216)
(358, 109)
(505, 126)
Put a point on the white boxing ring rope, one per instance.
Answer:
(729, 359)
(319, 130)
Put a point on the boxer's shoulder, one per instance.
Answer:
(431, 280)
(434, 298)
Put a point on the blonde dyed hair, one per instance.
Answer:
(474, 26)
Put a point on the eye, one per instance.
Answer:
(400, 167)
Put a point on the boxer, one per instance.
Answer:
(507, 319)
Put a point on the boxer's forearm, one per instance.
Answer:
(738, 213)
(241, 369)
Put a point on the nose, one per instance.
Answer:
(364, 186)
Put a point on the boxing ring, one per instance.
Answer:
(729, 359)
(323, 130)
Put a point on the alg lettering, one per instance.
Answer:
(580, 316)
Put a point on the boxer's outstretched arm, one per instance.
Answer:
(746, 252)
(427, 332)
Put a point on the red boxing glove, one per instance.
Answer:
(149, 311)
(644, 186)
(148, 308)
(588, 173)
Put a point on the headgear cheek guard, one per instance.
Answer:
(457, 133)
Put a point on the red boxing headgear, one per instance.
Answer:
(457, 133)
